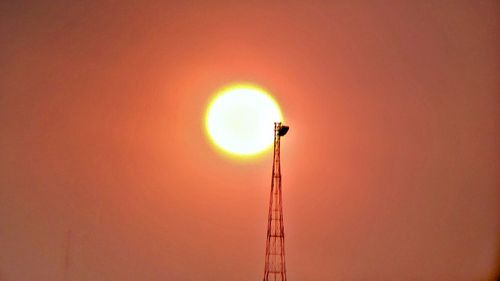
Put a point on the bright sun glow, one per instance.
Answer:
(240, 119)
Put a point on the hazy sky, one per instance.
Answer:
(390, 169)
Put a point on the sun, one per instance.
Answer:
(240, 119)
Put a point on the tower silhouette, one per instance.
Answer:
(67, 249)
(275, 269)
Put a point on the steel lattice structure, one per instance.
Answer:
(275, 269)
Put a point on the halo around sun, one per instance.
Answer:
(240, 119)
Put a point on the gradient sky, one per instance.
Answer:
(390, 169)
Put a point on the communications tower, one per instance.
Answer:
(275, 269)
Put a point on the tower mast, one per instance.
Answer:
(67, 248)
(275, 269)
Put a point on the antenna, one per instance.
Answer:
(275, 269)
(67, 249)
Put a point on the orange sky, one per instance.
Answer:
(390, 169)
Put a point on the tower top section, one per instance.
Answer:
(281, 129)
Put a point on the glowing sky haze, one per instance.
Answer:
(390, 170)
